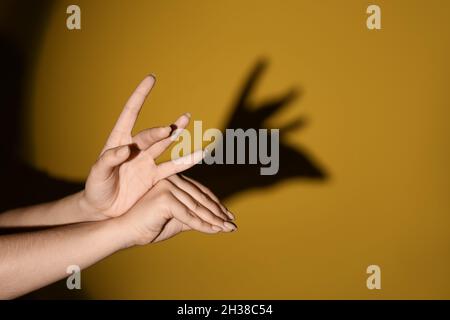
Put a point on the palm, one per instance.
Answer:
(127, 184)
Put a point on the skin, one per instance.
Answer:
(128, 200)
(124, 171)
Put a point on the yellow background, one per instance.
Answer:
(378, 106)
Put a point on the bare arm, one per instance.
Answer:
(32, 260)
(146, 202)
(70, 209)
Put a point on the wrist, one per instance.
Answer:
(87, 211)
(124, 233)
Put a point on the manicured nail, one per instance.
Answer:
(230, 226)
(216, 228)
(175, 134)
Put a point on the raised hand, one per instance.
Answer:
(126, 168)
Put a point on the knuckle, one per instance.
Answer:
(195, 205)
(152, 134)
(216, 219)
(198, 222)
(107, 157)
(160, 132)
(208, 191)
(131, 109)
(217, 207)
(204, 197)
(165, 196)
(164, 184)
(205, 225)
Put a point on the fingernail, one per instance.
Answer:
(187, 114)
(216, 228)
(230, 215)
(230, 226)
(176, 134)
(152, 75)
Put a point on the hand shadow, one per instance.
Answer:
(226, 180)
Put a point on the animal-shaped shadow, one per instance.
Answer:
(227, 180)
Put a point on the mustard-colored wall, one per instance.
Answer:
(378, 106)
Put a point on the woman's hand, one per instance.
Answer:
(174, 205)
(126, 168)
(123, 173)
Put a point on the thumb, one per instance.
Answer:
(109, 160)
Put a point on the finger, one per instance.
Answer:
(171, 228)
(200, 210)
(251, 83)
(210, 194)
(109, 160)
(172, 167)
(199, 196)
(146, 138)
(182, 213)
(158, 148)
(130, 112)
(185, 227)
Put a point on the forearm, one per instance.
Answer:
(70, 209)
(29, 261)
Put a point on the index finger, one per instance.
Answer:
(125, 123)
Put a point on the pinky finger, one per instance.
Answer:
(168, 168)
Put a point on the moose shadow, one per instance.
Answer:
(230, 179)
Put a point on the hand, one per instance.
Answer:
(126, 168)
(174, 205)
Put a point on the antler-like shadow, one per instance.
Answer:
(227, 180)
